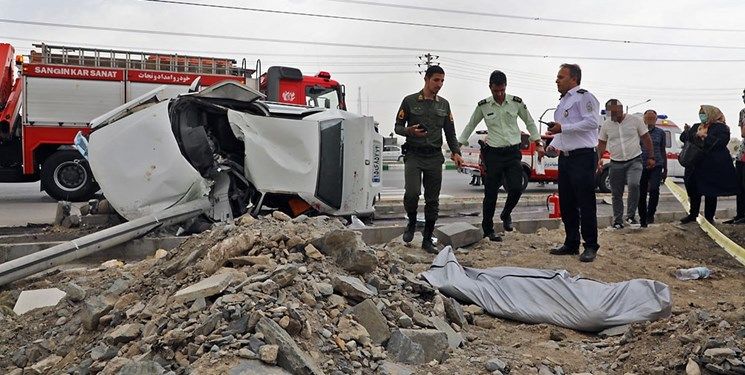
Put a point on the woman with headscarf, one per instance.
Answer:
(713, 175)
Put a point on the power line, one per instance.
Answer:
(534, 18)
(351, 45)
(110, 46)
(445, 27)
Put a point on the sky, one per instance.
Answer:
(379, 59)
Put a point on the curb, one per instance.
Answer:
(400, 167)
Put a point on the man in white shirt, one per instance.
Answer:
(621, 134)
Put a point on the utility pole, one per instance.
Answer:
(359, 100)
(428, 60)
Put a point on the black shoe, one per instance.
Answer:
(428, 246)
(643, 224)
(409, 233)
(564, 250)
(588, 255)
(650, 219)
(739, 221)
(493, 237)
(506, 222)
(688, 219)
(732, 220)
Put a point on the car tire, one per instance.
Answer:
(523, 184)
(604, 181)
(65, 175)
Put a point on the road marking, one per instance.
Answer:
(727, 244)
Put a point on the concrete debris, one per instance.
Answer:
(269, 295)
(418, 346)
(205, 288)
(35, 299)
(368, 315)
(352, 287)
(458, 234)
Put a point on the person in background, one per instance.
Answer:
(712, 175)
(740, 172)
(623, 135)
(651, 178)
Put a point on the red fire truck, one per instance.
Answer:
(60, 89)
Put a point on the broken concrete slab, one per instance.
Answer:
(455, 340)
(614, 331)
(458, 234)
(290, 356)
(124, 333)
(352, 287)
(34, 299)
(368, 315)
(418, 346)
(93, 310)
(205, 288)
(454, 312)
(252, 367)
(348, 251)
(142, 368)
(390, 368)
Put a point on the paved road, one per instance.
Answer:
(23, 203)
(453, 184)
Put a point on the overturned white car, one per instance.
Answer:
(225, 142)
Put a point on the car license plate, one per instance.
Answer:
(376, 167)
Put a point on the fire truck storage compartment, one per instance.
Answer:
(70, 101)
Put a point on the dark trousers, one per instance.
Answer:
(577, 197)
(740, 173)
(649, 184)
(423, 169)
(502, 167)
(694, 198)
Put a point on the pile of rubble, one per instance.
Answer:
(304, 294)
(277, 295)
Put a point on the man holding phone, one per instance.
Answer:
(575, 127)
(501, 151)
(422, 118)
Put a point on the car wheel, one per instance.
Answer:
(604, 181)
(65, 175)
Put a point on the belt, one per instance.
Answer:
(626, 161)
(579, 151)
(422, 150)
(505, 149)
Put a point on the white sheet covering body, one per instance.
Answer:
(550, 296)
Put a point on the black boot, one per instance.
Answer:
(427, 245)
(589, 254)
(410, 229)
(506, 222)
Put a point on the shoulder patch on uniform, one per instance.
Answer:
(581, 91)
(482, 102)
(517, 99)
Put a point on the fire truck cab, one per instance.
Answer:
(288, 85)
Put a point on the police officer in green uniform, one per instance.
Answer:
(501, 153)
(421, 119)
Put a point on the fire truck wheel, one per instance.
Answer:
(604, 181)
(65, 175)
(523, 184)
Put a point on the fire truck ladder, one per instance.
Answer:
(111, 58)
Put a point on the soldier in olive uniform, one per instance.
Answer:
(502, 157)
(421, 119)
